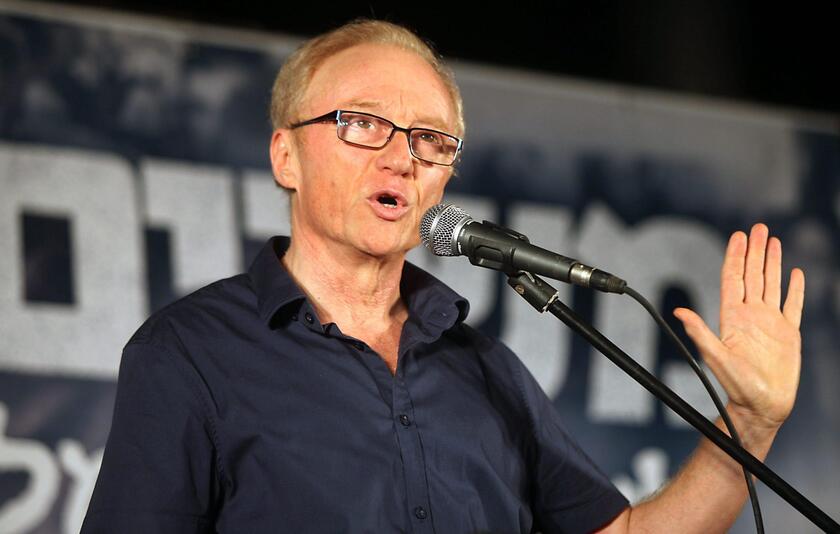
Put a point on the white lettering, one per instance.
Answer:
(83, 471)
(542, 343)
(28, 509)
(96, 193)
(662, 252)
(266, 206)
(650, 467)
(196, 204)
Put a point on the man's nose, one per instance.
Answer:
(396, 155)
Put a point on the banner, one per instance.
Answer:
(134, 169)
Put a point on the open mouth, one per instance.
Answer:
(389, 204)
(387, 200)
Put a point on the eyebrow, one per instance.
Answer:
(367, 105)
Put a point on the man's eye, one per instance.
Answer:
(363, 124)
(431, 138)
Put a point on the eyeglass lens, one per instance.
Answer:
(368, 130)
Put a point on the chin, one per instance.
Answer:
(386, 245)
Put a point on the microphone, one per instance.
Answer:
(447, 230)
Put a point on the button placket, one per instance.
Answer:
(411, 451)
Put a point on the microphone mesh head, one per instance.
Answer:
(438, 227)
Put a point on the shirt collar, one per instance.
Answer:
(427, 298)
(272, 283)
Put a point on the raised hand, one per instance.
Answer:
(757, 356)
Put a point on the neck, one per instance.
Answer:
(348, 287)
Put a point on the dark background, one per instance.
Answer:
(779, 55)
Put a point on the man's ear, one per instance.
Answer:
(283, 159)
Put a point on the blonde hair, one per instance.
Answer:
(293, 78)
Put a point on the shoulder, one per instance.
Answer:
(175, 353)
(207, 313)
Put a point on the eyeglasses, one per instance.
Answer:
(370, 131)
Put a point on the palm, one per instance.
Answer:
(757, 357)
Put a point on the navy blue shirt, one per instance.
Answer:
(238, 411)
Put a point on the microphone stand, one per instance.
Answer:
(543, 297)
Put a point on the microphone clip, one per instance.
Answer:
(512, 233)
(484, 248)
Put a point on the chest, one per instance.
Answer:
(385, 343)
(340, 430)
(387, 347)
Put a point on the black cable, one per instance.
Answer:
(759, 524)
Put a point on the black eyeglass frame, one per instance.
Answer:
(335, 116)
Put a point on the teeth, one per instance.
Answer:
(388, 201)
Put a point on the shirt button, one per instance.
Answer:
(420, 512)
(308, 317)
(294, 317)
(405, 421)
(359, 345)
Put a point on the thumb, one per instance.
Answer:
(706, 341)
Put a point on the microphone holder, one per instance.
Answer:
(543, 297)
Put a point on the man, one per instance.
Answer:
(335, 388)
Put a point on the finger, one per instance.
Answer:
(795, 299)
(732, 272)
(773, 273)
(754, 266)
(706, 341)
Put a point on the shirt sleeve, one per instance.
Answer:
(571, 493)
(159, 470)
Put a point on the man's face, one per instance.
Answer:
(339, 187)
